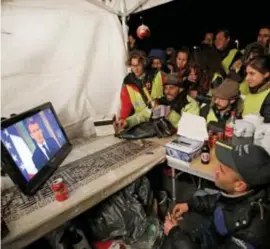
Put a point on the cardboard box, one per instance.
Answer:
(184, 148)
(192, 131)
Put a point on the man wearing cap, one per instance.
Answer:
(225, 98)
(237, 218)
(177, 99)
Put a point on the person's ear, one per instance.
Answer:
(232, 101)
(240, 186)
(266, 75)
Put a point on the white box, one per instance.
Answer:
(192, 131)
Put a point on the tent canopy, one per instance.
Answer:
(69, 52)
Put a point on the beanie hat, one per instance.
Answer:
(157, 54)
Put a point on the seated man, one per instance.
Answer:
(177, 98)
(225, 98)
(237, 218)
(139, 87)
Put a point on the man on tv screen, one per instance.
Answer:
(45, 147)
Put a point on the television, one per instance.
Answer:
(33, 145)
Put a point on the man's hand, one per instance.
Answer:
(179, 210)
(237, 65)
(120, 125)
(169, 224)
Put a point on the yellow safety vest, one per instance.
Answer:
(136, 97)
(253, 102)
(191, 107)
(211, 116)
(215, 76)
(244, 88)
(226, 62)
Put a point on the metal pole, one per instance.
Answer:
(173, 187)
(124, 26)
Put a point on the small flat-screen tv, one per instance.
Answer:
(33, 145)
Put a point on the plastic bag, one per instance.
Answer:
(140, 131)
(157, 127)
(122, 215)
(153, 236)
(68, 236)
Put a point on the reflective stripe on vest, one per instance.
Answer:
(226, 62)
(253, 102)
(211, 116)
(136, 97)
(244, 89)
(216, 75)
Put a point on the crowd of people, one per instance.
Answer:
(211, 80)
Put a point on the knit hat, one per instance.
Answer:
(157, 54)
(228, 89)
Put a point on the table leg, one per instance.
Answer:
(200, 183)
(173, 187)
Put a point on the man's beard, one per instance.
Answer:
(221, 108)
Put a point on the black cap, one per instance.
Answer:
(252, 162)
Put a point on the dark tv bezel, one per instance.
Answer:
(11, 168)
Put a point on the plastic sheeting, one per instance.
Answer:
(69, 52)
(132, 6)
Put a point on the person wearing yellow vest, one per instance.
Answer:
(225, 98)
(238, 69)
(137, 84)
(228, 54)
(258, 80)
(177, 98)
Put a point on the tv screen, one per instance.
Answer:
(33, 145)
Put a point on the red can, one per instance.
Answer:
(214, 140)
(60, 189)
(220, 136)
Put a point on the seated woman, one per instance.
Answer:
(138, 88)
(258, 80)
(182, 59)
(238, 70)
(177, 98)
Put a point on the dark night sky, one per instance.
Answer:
(184, 22)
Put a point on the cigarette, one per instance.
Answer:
(169, 215)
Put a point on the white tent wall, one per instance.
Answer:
(68, 52)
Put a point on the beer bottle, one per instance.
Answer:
(205, 155)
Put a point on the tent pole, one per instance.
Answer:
(124, 26)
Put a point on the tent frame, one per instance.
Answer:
(124, 13)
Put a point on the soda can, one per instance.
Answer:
(60, 189)
(213, 141)
(220, 136)
(57, 185)
(210, 133)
